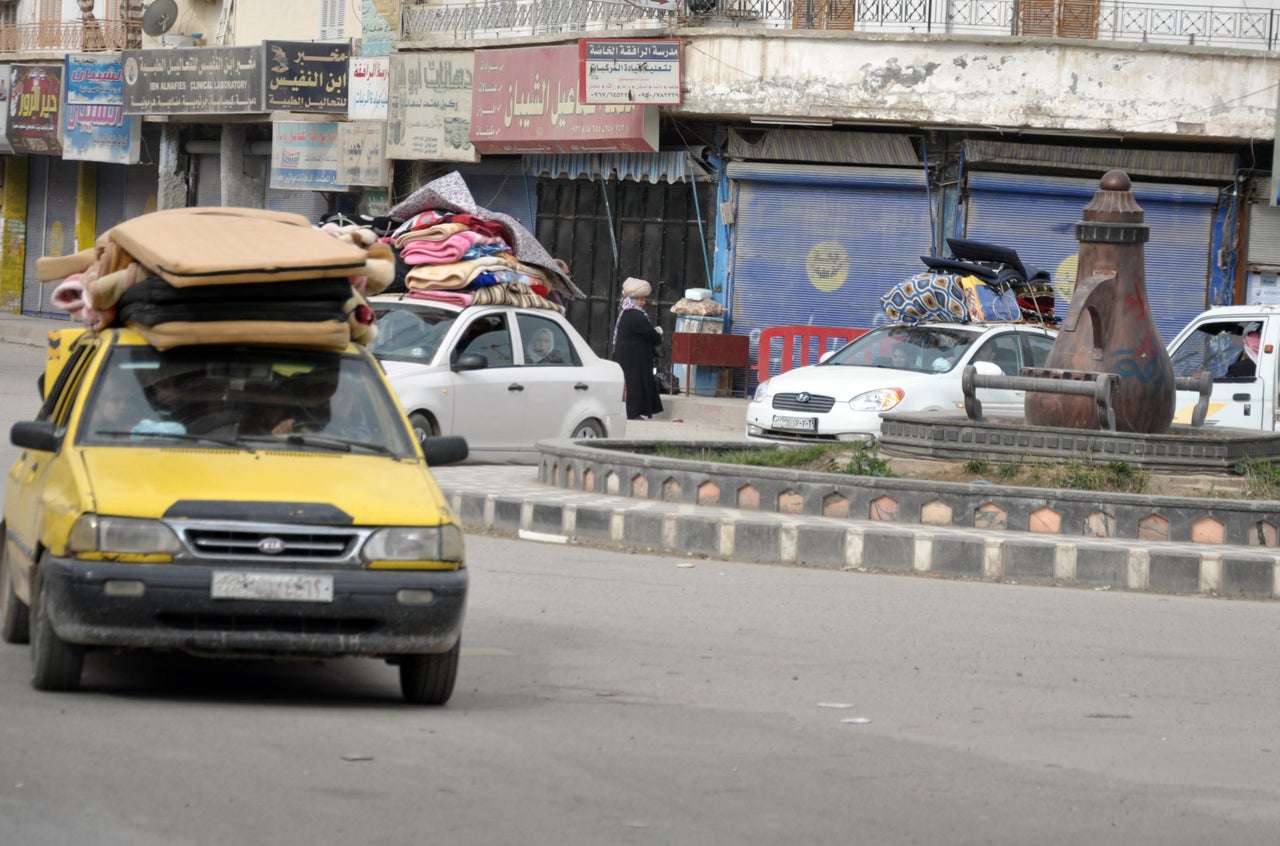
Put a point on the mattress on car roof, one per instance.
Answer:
(219, 246)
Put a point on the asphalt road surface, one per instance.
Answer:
(607, 698)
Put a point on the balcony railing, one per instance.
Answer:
(1162, 23)
(70, 36)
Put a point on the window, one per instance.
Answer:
(545, 342)
(1218, 348)
(487, 336)
(333, 20)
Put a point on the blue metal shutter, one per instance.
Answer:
(818, 246)
(504, 187)
(1036, 215)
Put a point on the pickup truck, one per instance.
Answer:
(1240, 347)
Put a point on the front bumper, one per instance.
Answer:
(828, 428)
(173, 608)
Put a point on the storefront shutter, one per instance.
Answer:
(1036, 215)
(818, 246)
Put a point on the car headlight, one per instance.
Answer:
(762, 391)
(96, 536)
(415, 547)
(881, 399)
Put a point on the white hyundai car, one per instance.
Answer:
(500, 376)
(894, 368)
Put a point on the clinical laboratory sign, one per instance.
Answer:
(621, 70)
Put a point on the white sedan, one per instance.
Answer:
(500, 376)
(894, 368)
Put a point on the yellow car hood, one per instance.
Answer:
(372, 490)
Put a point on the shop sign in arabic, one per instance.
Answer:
(101, 134)
(5, 147)
(35, 100)
(429, 108)
(304, 156)
(526, 101)
(620, 70)
(367, 89)
(196, 80)
(362, 153)
(94, 126)
(306, 76)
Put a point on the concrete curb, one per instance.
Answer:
(709, 533)
(538, 512)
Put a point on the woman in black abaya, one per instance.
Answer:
(634, 342)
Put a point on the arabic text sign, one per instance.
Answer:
(526, 101)
(94, 125)
(304, 156)
(367, 88)
(305, 76)
(4, 117)
(35, 97)
(620, 70)
(195, 80)
(362, 153)
(429, 113)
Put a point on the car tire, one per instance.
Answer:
(423, 426)
(14, 621)
(428, 679)
(588, 429)
(55, 664)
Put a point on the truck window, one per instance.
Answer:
(1220, 349)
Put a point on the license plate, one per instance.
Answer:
(286, 587)
(803, 424)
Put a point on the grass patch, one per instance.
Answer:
(1261, 477)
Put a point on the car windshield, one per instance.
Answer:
(243, 397)
(923, 348)
(409, 332)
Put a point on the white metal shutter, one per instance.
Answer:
(1264, 229)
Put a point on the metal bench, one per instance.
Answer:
(1100, 386)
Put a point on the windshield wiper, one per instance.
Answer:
(336, 444)
(231, 443)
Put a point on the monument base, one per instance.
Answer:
(1181, 449)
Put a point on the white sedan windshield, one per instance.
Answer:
(932, 349)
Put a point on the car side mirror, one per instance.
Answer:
(470, 361)
(35, 434)
(987, 368)
(826, 355)
(445, 449)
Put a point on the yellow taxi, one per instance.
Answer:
(238, 500)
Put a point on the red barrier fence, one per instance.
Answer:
(809, 341)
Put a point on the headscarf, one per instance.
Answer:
(1251, 345)
(633, 288)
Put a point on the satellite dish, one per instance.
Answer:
(159, 17)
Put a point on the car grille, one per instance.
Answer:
(270, 543)
(815, 404)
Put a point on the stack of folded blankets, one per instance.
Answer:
(224, 275)
(467, 259)
(451, 248)
(983, 283)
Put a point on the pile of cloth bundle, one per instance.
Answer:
(466, 259)
(979, 283)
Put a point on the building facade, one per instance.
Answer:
(797, 157)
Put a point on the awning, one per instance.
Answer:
(1182, 165)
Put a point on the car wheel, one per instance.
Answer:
(428, 679)
(423, 427)
(14, 622)
(55, 664)
(588, 429)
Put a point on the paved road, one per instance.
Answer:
(608, 698)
